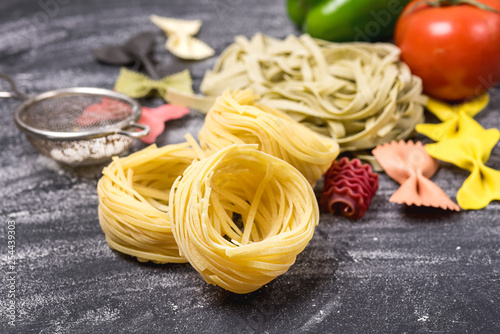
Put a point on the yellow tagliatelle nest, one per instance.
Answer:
(134, 201)
(242, 216)
(235, 118)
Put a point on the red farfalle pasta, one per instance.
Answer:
(349, 188)
(411, 166)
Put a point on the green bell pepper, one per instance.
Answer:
(347, 20)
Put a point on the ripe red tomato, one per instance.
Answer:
(455, 49)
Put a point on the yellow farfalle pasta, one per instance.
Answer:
(453, 117)
(465, 143)
(242, 216)
(236, 118)
(471, 153)
(134, 201)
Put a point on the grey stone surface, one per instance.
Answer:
(397, 270)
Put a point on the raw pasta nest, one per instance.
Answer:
(242, 216)
(359, 93)
(134, 201)
(235, 118)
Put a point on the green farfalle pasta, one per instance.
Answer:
(361, 94)
(136, 85)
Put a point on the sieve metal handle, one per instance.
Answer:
(135, 134)
(15, 92)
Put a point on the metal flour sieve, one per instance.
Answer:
(78, 126)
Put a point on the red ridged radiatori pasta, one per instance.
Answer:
(134, 201)
(235, 118)
(242, 216)
(349, 188)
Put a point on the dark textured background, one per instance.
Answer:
(398, 270)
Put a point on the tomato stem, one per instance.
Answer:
(445, 3)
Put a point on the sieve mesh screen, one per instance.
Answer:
(75, 113)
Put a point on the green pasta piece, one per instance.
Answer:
(361, 94)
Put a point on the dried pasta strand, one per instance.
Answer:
(134, 202)
(236, 118)
(278, 211)
(359, 93)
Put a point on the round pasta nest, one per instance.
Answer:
(362, 94)
(236, 119)
(134, 200)
(242, 216)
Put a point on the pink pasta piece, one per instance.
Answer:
(410, 165)
(155, 118)
(107, 109)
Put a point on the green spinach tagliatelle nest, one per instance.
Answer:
(361, 94)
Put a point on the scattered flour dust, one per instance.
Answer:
(421, 313)
(423, 318)
(17, 214)
(100, 315)
(90, 318)
(49, 164)
(321, 315)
